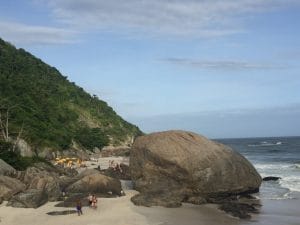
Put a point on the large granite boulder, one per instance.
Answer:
(170, 167)
(9, 187)
(6, 169)
(96, 183)
(48, 182)
(31, 198)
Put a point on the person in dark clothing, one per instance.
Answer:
(79, 207)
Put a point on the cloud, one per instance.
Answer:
(196, 18)
(28, 34)
(222, 65)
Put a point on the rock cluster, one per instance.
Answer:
(42, 182)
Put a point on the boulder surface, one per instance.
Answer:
(9, 187)
(31, 198)
(6, 169)
(96, 183)
(171, 167)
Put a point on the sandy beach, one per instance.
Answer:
(117, 211)
(120, 211)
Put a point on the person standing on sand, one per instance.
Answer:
(94, 202)
(90, 198)
(79, 207)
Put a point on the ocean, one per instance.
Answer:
(275, 156)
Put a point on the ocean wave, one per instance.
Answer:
(272, 166)
(265, 143)
(288, 172)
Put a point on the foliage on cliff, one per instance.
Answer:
(48, 110)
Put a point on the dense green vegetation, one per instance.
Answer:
(47, 110)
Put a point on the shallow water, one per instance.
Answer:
(276, 156)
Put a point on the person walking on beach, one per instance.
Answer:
(79, 207)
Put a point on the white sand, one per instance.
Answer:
(116, 211)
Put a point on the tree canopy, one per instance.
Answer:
(51, 110)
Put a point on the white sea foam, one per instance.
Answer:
(265, 143)
(284, 187)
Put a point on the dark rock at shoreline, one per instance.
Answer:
(271, 178)
(171, 167)
(31, 198)
(240, 210)
(154, 199)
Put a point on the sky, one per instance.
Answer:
(220, 68)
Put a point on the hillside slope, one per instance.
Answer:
(47, 110)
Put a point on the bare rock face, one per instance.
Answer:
(43, 180)
(24, 148)
(171, 167)
(31, 198)
(6, 169)
(96, 183)
(9, 187)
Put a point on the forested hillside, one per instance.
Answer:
(44, 108)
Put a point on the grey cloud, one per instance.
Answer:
(222, 65)
(199, 18)
(19, 33)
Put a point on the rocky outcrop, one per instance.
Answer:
(95, 183)
(168, 168)
(271, 178)
(24, 148)
(122, 174)
(44, 181)
(31, 198)
(6, 169)
(9, 187)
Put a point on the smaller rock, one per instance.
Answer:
(271, 178)
(6, 169)
(240, 210)
(109, 151)
(155, 199)
(71, 201)
(31, 198)
(9, 187)
(196, 200)
(96, 183)
(123, 174)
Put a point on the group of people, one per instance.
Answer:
(115, 166)
(92, 204)
(92, 201)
